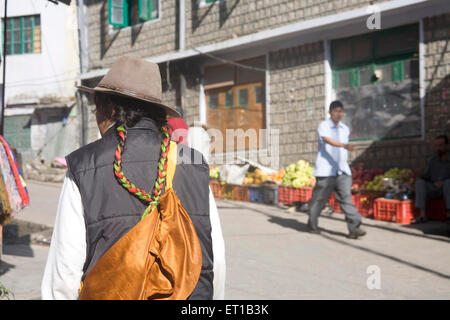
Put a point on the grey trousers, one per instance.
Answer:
(426, 190)
(341, 185)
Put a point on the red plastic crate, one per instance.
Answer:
(285, 195)
(436, 210)
(216, 189)
(364, 204)
(303, 194)
(394, 210)
(334, 203)
(241, 193)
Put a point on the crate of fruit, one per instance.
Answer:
(216, 188)
(270, 194)
(256, 194)
(241, 193)
(286, 195)
(303, 194)
(399, 211)
(336, 206)
(227, 191)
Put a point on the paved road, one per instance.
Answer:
(271, 256)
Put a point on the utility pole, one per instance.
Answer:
(2, 111)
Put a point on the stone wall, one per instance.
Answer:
(147, 39)
(297, 100)
(226, 19)
(209, 24)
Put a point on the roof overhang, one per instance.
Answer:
(353, 22)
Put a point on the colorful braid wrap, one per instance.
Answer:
(151, 199)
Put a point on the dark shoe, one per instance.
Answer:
(356, 233)
(313, 230)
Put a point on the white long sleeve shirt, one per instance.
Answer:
(67, 253)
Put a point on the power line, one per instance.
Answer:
(231, 62)
(43, 78)
(59, 81)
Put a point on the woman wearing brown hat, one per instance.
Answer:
(133, 217)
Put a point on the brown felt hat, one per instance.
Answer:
(135, 78)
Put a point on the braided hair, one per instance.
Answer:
(126, 113)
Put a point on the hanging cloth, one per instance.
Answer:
(20, 182)
(12, 190)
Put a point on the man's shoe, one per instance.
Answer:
(356, 233)
(313, 231)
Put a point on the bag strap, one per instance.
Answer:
(172, 164)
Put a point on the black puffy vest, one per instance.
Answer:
(110, 211)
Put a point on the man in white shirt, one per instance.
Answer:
(333, 173)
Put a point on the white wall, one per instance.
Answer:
(53, 72)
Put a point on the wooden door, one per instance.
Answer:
(236, 107)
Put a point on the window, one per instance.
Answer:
(243, 97)
(229, 99)
(23, 34)
(213, 101)
(258, 95)
(235, 99)
(378, 83)
(18, 131)
(123, 13)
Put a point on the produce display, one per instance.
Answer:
(400, 176)
(255, 177)
(299, 175)
(214, 172)
(278, 176)
(361, 177)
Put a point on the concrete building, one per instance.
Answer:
(42, 66)
(277, 65)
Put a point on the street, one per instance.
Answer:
(270, 255)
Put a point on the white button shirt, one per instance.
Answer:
(330, 160)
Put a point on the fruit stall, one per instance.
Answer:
(376, 193)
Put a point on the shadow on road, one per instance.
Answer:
(328, 234)
(18, 250)
(429, 229)
(410, 264)
(5, 267)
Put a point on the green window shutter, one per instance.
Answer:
(154, 9)
(397, 71)
(148, 9)
(229, 99)
(118, 13)
(354, 78)
(243, 98)
(27, 34)
(144, 10)
(214, 101)
(335, 80)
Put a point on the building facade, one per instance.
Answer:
(42, 67)
(276, 65)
